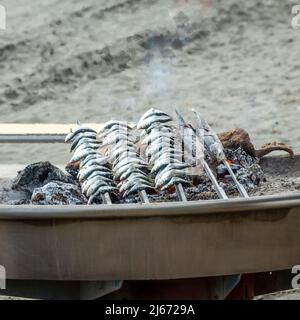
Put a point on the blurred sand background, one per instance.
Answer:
(235, 61)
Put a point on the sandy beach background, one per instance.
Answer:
(237, 62)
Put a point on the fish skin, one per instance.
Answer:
(153, 136)
(172, 166)
(152, 112)
(174, 181)
(83, 141)
(77, 130)
(155, 127)
(101, 190)
(95, 166)
(107, 125)
(115, 129)
(148, 122)
(136, 188)
(130, 183)
(105, 133)
(93, 162)
(84, 174)
(127, 160)
(96, 156)
(125, 155)
(162, 140)
(121, 144)
(166, 176)
(166, 152)
(129, 172)
(82, 153)
(87, 135)
(211, 139)
(123, 169)
(120, 151)
(92, 145)
(158, 146)
(162, 164)
(193, 146)
(99, 175)
(86, 146)
(132, 177)
(94, 187)
(87, 183)
(115, 134)
(109, 140)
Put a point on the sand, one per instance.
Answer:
(237, 62)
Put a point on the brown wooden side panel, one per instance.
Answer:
(151, 248)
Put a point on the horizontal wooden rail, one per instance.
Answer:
(38, 132)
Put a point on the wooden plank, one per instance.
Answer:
(38, 132)
(41, 128)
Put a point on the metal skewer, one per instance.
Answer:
(220, 191)
(204, 125)
(182, 125)
(240, 187)
(144, 197)
(180, 192)
(106, 199)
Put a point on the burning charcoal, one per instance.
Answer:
(38, 174)
(58, 193)
(221, 170)
(19, 202)
(73, 169)
(240, 157)
(235, 167)
(132, 199)
(256, 173)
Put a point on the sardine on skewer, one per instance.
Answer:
(194, 148)
(161, 151)
(128, 167)
(215, 148)
(94, 175)
(78, 129)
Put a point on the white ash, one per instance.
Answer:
(58, 193)
(37, 175)
(247, 169)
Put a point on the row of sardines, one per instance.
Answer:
(157, 154)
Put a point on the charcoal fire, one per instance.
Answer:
(160, 158)
(156, 161)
